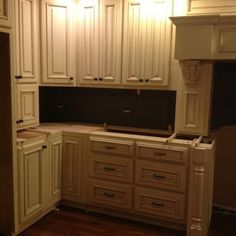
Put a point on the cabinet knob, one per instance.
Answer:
(95, 79)
(18, 77)
(19, 121)
(141, 80)
(147, 80)
(44, 147)
(100, 79)
(71, 78)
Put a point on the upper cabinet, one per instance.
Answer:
(57, 42)
(6, 13)
(26, 40)
(147, 42)
(99, 41)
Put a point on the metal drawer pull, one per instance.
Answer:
(110, 147)
(107, 194)
(109, 168)
(159, 154)
(157, 204)
(159, 176)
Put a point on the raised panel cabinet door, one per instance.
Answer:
(87, 37)
(27, 106)
(57, 42)
(6, 13)
(30, 167)
(26, 41)
(158, 43)
(72, 168)
(110, 34)
(134, 38)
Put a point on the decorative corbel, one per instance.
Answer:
(191, 71)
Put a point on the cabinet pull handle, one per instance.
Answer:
(158, 204)
(18, 77)
(159, 154)
(71, 78)
(109, 168)
(158, 176)
(44, 147)
(19, 121)
(110, 147)
(107, 194)
(100, 79)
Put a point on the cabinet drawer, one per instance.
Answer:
(168, 176)
(160, 203)
(158, 152)
(111, 167)
(123, 147)
(109, 194)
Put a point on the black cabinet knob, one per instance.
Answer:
(71, 78)
(18, 77)
(100, 79)
(96, 79)
(19, 121)
(141, 80)
(147, 80)
(44, 147)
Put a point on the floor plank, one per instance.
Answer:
(73, 222)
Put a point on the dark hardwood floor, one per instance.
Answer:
(73, 222)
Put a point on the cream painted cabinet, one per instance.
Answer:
(99, 39)
(57, 42)
(26, 40)
(27, 114)
(5, 13)
(72, 168)
(146, 42)
(31, 158)
(53, 171)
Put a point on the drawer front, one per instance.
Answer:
(109, 194)
(116, 146)
(110, 167)
(168, 153)
(167, 176)
(160, 203)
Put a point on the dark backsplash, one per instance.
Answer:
(124, 107)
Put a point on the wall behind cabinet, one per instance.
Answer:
(125, 107)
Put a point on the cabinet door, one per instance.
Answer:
(5, 13)
(57, 42)
(30, 189)
(27, 106)
(87, 53)
(26, 40)
(110, 33)
(147, 42)
(72, 168)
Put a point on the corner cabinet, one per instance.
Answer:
(99, 40)
(26, 40)
(6, 13)
(147, 42)
(57, 42)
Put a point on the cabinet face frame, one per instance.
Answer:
(27, 53)
(57, 43)
(27, 105)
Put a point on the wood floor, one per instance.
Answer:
(72, 222)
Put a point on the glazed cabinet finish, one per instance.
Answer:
(30, 171)
(57, 42)
(146, 42)
(27, 105)
(27, 45)
(5, 13)
(99, 40)
(72, 168)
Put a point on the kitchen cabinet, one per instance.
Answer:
(99, 41)
(146, 42)
(27, 105)
(26, 41)
(72, 185)
(6, 13)
(32, 152)
(57, 42)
